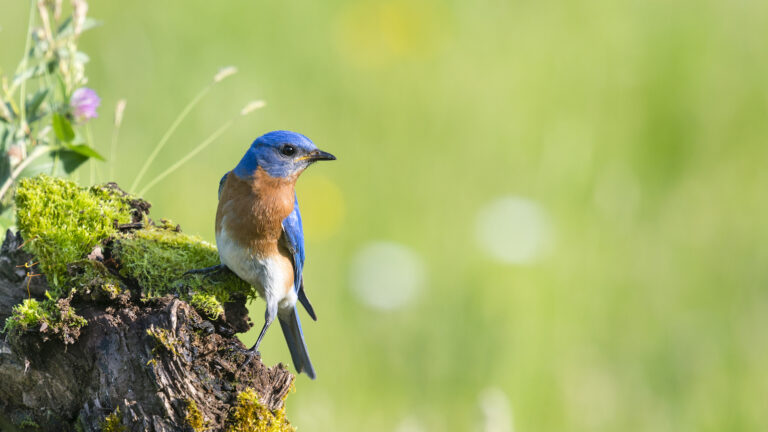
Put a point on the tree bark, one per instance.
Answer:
(151, 359)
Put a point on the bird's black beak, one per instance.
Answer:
(318, 155)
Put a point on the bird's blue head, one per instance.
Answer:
(281, 154)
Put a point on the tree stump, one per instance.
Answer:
(140, 364)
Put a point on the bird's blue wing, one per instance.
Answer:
(221, 185)
(294, 235)
(294, 238)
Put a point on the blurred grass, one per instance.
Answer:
(639, 126)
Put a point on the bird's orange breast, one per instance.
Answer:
(252, 211)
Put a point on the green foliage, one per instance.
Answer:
(63, 128)
(39, 98)
(249, 415)
(62, 222)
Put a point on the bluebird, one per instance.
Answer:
(259, 233)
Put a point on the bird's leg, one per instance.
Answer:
(208, 271)
(269, 317)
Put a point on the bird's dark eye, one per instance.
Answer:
(288, 150)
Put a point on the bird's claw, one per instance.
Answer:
(251, 353)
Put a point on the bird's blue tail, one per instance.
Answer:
(295, 339)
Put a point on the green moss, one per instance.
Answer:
(194, 417)
(249, 415)
(113, 422)
(111, 290)
(29, 425)
(158, 257)
(25, 315)
(32, 313)
(62, 222)
(208, 304)
(164, 339)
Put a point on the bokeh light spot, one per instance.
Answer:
(322, 207)
(387, 275)
(410, 424)
(496, 409)
(514, 230)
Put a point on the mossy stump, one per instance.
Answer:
(112, 335)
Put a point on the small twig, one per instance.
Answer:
(26, 241)
(29, 275)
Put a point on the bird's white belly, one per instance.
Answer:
(265, 273)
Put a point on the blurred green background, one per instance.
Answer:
(545, 216)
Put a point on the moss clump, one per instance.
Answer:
(113, 422)
(194, 417)
(207, 304)
(92, 276)
(158, 257)
(62, 222)
(48, 315)
(249, 415)
(25, 315)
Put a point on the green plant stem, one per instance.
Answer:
(39, 151)
(23, 67)
(189, 156)
(92, 163)
(112, 151)
(168, 134)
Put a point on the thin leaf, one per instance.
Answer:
(6, 111)
(65, 160)
(35, 101)
(66, 29)
(82, 57)
(37, 116)
(34, 71)
(85, 150)
(65, 25)
(63, 128)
